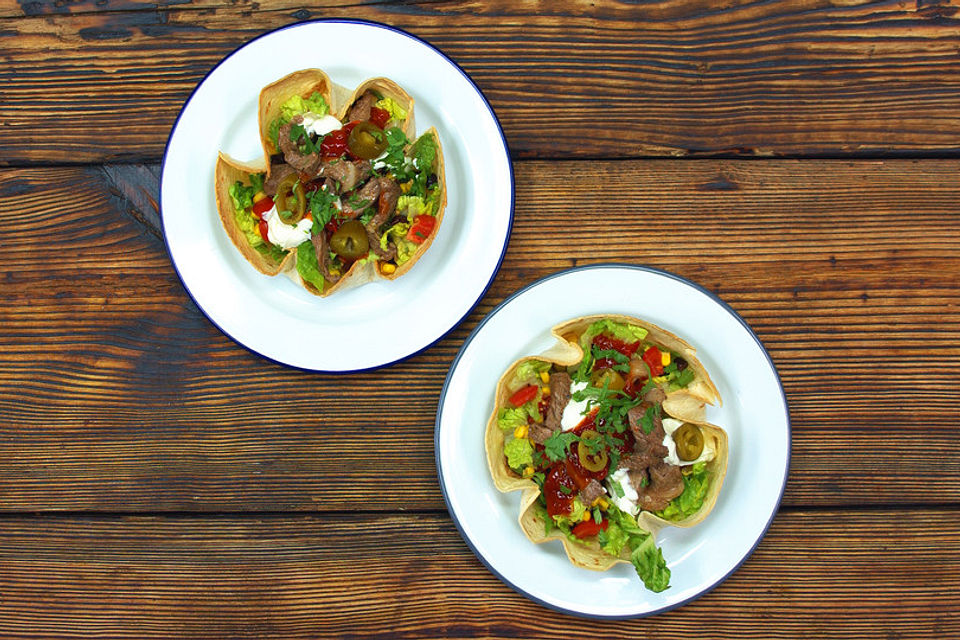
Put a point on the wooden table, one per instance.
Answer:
(801, 159)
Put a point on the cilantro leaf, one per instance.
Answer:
(557, 445)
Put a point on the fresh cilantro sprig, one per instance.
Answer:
(556, 446)
(321, 205)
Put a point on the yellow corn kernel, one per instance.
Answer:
(406, 186)
(520, 432)
(545, 376)
(586, 516)
(260, 195)
(387, 268)
(604, 504)
(665, 357)
(528, 472)
(545, 390)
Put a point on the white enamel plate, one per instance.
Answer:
(375, 324)
(754, 414)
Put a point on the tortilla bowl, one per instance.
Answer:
(229, 171)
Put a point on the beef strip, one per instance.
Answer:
(361, 108)
(634, 417)
(323, 255)
(666, 483)
(539, 433)
(387, 254)
(305, 163)
(386, 204)
(346, 174)
(591, 492)
(277, 173)
(655, 396)
(559, 397)
(354, 203)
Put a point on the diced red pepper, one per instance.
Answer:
(421, 228)
(589, 528)
(264, 229)
(654, 360)
(261, 207)
(524, 395)
(334, 144)
(379, 116)
(606, 342)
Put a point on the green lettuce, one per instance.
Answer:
(645, 556)
(695, 488)
(528, 372)
(647, 559)
(513, 417)
(567, 520)
(620, 330)
(392, 107)
(242, 197)
(398, 233)
(293, 107)
(414, 206)
(307, 265)
(519, 453)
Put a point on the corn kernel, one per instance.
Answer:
(545, 376)
(387, 268)
(528, 472)
(545, 390)
(586, 516)
(665, 358)
(604, 504)
(406, 186)
(520, 432)
(260, 195)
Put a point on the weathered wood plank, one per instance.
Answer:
(585, 79)
(117, 394)
(816, 575)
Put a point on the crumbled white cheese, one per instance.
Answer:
(628, 501)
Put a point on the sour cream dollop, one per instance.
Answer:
(285, 235)
(574, 411)
(320, 125)
(669, 426)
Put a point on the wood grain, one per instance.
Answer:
(819, 575)
(118, 395)
(582, 79)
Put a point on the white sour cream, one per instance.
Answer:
(288, 236)
(320, 125)
(574, 411)
(669, 426)
(628, 501)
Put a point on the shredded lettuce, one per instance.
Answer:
(528, 372)
(519, 453)
(242, 197)
(619, 330)
(307, 265)
(690, 501)
(647, 559)
(574, 517)
(398, 233)
(414, 206)
(392, 107)
(513, 417)
(295, 106)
